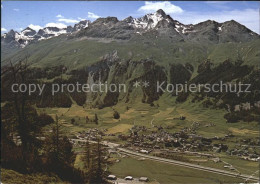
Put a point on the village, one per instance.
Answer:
(158, 139)
(184, 145)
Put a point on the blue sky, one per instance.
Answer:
(18, 15)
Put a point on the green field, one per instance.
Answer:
(165, 173)
(78, 53)
(142, 114)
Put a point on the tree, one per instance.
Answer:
(96, 119)
(59, 155)
(25, 159)
(26, 117)
(58, 149)
(116, 115)
(18, 74)
(100, 161)
(231, 117)
(94, 163)
(87, 160)
(72, 121)
(87, 119)
(45, 119)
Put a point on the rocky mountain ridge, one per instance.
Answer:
(155, 24)
(28, 35)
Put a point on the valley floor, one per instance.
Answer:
(210, 123)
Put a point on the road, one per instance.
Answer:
(178, 163)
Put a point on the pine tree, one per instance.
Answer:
(96, 119)
(58, 149)
(86, 157)
(100, 161)
(94, 163)
(116, 115)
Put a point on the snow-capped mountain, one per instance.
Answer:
(49, 32)
(148, 21)
(28, 32)
(157, 24)
(29, 35)
(25, 36)
(81, 25)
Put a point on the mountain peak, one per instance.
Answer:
(233, 23)
(161, 12)
(107, 20)
(81, 25)
(129, 19)
(155, 23)
(28, 28)
(28, 32)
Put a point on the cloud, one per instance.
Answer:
(35, 27)
(58, 25)
(16, 9)
(3, 29)
(81, 18)
(60, 16)
(247, 17)
(92, 15)
(68, 20)
(167, 6)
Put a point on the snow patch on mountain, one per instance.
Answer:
(148, 21)
(28, 34)
(124, 29)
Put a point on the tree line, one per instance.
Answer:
(27, 148)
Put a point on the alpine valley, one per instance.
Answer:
(209, 129)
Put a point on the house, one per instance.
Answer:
(144, 151)
(129, 178)
(216, 160)
(143, 179)
(182, 117)
(111, 177)
(246, 106)
(156, 147)
(195, 137)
